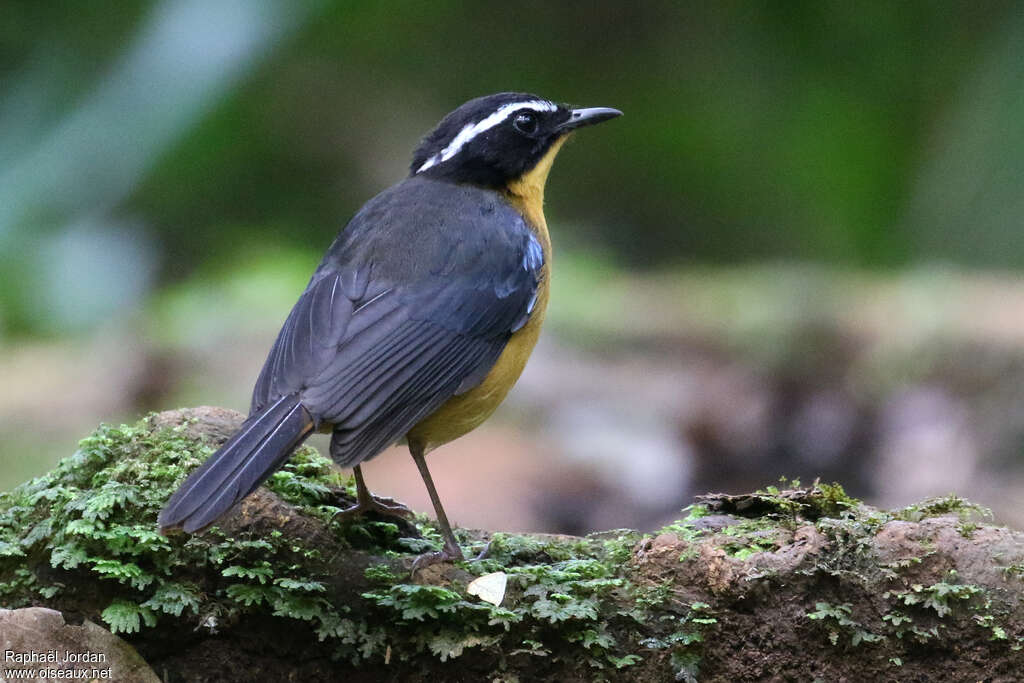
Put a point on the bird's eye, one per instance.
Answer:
(525, 122)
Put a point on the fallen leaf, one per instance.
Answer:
(489, 587)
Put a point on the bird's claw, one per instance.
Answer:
(387, 507)
(483, 553)
(437, 557)
(447, 554)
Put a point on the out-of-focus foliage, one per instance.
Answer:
(746, 282)
(141, 139)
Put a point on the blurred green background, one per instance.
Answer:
(797, 254)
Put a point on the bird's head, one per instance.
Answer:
(498, 140)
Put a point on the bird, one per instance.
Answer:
(418, 320)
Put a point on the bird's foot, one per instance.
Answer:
(483, 553)
(386, 507)
(450, 553)
(446, 554)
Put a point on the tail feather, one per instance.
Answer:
(265, 440)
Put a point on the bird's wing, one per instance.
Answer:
(377, 341)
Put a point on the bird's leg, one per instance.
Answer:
(451, 552)
(367, 502)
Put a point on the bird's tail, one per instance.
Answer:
(265, 440)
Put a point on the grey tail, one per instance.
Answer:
(265, 440)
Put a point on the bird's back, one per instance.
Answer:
(423, 265)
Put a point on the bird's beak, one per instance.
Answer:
(586, 117)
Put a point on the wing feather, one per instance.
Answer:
(412, 304)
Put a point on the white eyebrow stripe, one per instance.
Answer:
(471, 130)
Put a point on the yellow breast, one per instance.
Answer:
(462, 414)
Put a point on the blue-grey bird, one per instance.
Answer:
(420, 317)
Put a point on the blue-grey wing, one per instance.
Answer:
(386, 333)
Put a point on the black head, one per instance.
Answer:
(493, 140)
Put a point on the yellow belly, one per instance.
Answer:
(462, 414)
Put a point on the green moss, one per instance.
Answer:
(94, 516)
(559, 594)
(943, 506)
(917, 615)
(85, 536)
(1014, 570)
(792, 502)
(689, 628)
(838, 621)
(918, 612)
(89, 526)
(687, 530)
(941, 597)
(833, 499)
(751, 536)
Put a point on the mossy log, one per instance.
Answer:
(795, 584)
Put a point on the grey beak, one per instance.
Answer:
(587, 117)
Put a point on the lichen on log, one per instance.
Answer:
(801, 583)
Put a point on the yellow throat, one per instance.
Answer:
(461, 414)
